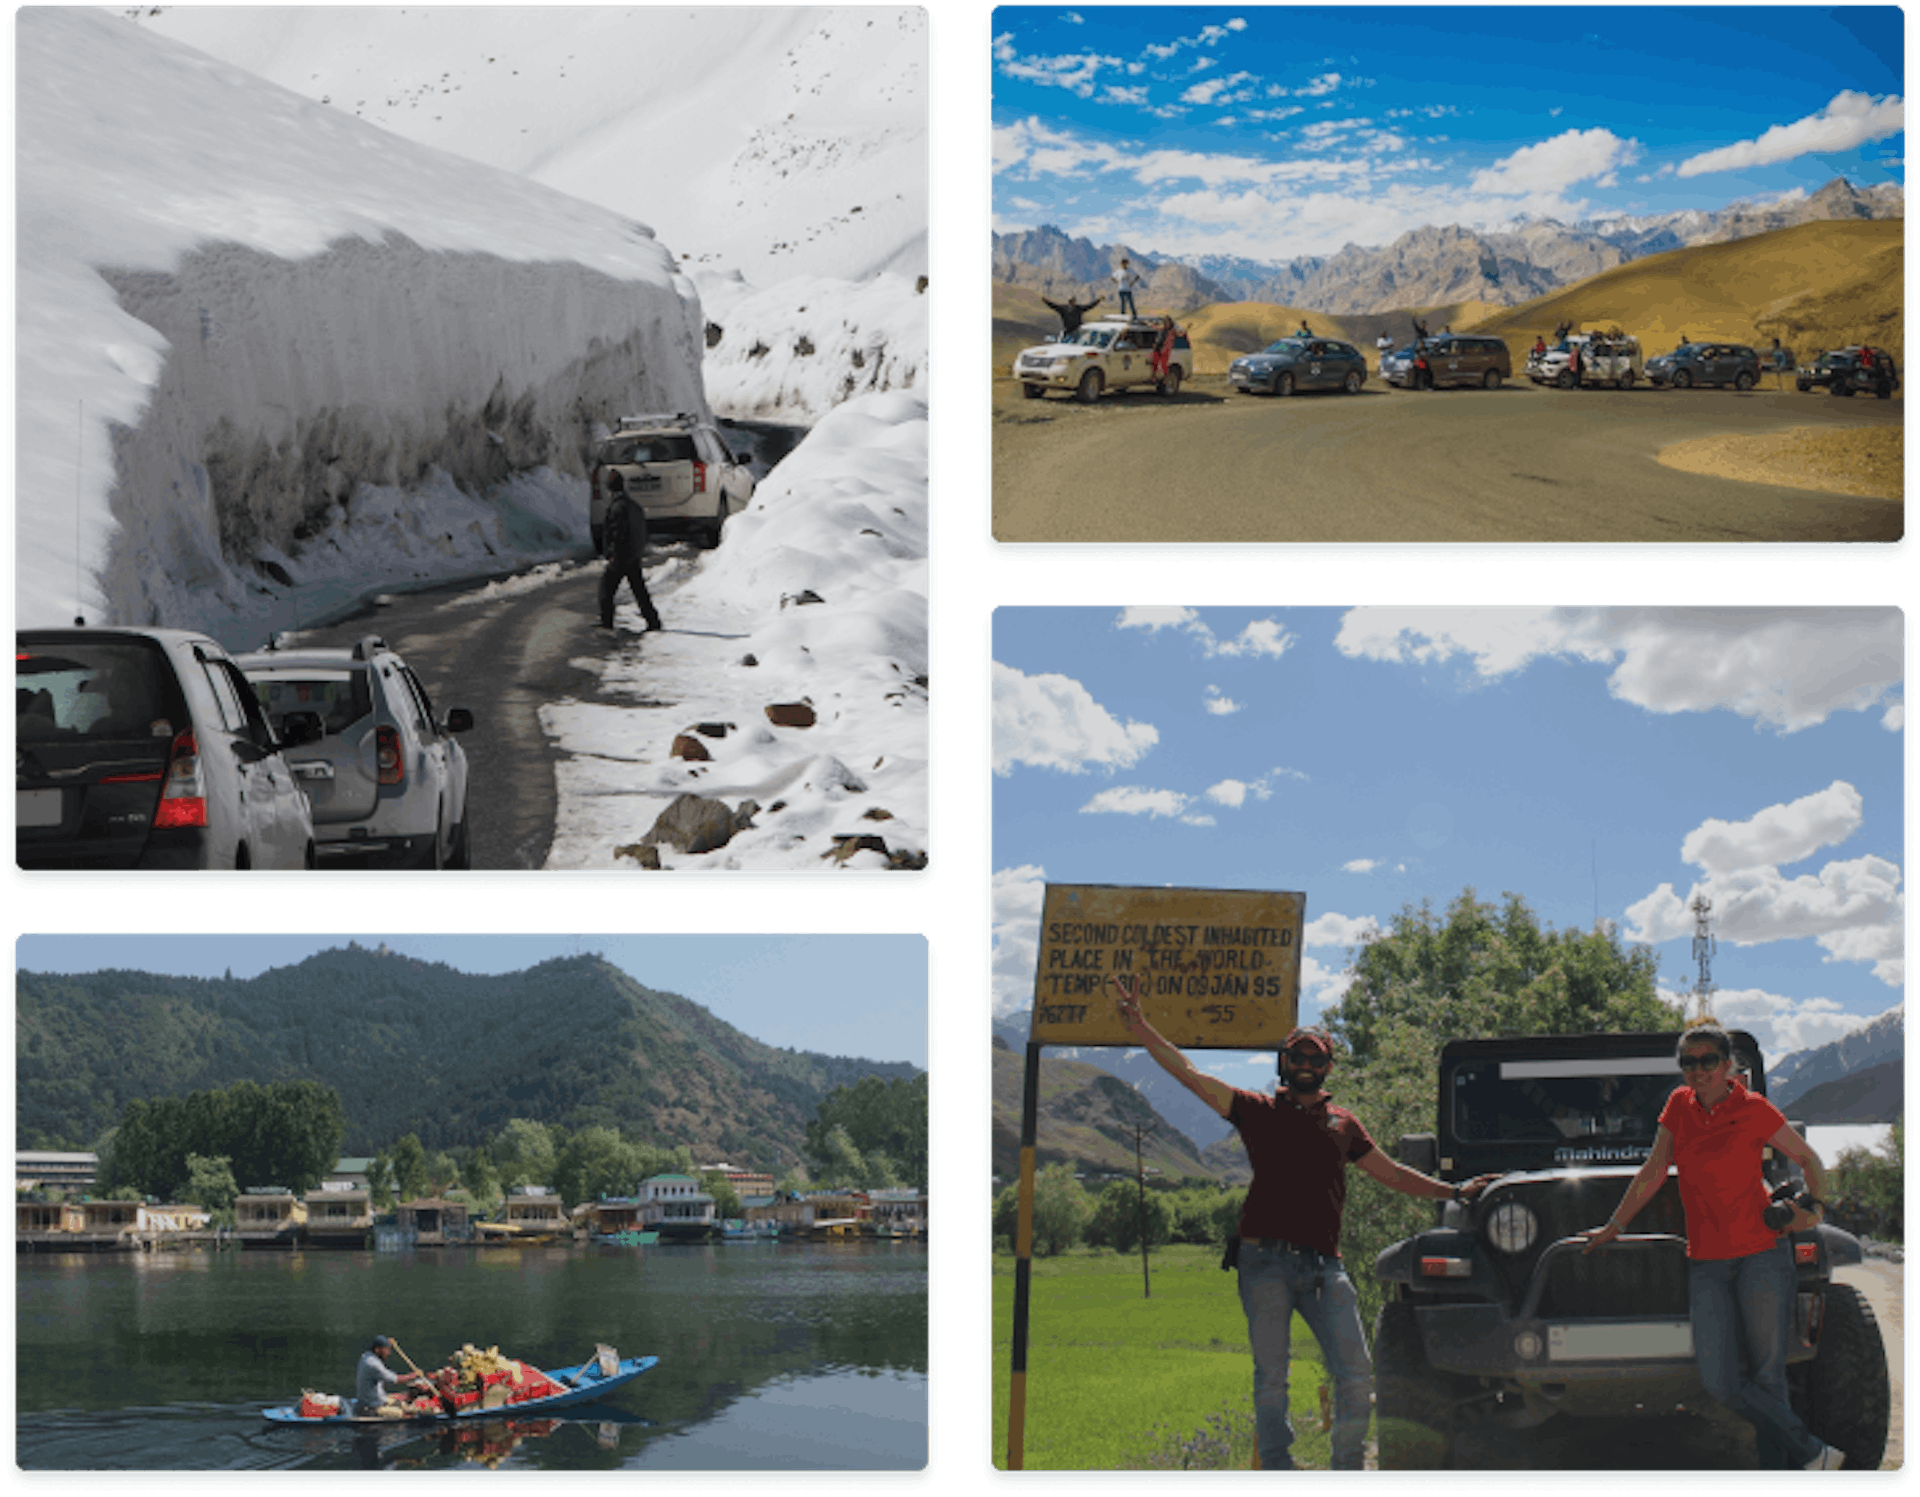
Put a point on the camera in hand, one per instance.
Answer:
(1782, 1203)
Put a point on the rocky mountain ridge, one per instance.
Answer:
(1428, 266)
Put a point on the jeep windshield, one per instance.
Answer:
(660, 447)
(1552, 1101)
(1090, 337)
(1286, 347)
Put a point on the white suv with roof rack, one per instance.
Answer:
(386, 778)
(1109, 353)
(679, 468)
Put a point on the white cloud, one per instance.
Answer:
(1053, 722)
(1155, 619)
(1132, 800)
(1554, 165)
(1359, 865)
(1784, 1026)
(1789, 668)
(1078, 73)
(1220, 704)
(1331, 929)
(1895, 718)
(1779, 834)
(1263, 637)
(1849, 120)
(1229, 793)
(1017, 896)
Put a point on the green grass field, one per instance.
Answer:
(1117, 1380)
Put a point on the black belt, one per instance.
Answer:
(1281, 1242)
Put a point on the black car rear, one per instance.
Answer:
(96, 718)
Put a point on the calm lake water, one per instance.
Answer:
(774, 1357)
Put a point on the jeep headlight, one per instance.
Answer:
(1512, 1227)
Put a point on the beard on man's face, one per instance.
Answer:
(1304, 1079)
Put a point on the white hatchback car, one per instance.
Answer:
(387, 780)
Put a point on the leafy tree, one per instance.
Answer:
(878, 1117)
(482, 1182)
(1061, 1211)
(286, 1133)
(794, 1182)
(1487, 970)
(526, 1151)
(726, 1200)
(1872, 1182)
(409, 1168)
(840, 1161)
(380, 1182)
(210, 1182)
(1117, 1213)
(597, 1162)
(443, 1174)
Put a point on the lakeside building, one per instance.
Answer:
(49, 1169)
(897, 1213)
(269, 1216)
(676, 1207)
(434, 1221)
(532, 1213)
(338, 1216)
(104, 1226)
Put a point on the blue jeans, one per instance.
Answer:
(1274, 1283)
(1126, 304)
(1745, 1305)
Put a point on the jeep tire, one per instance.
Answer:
(1841, 388)
(1567, 379)
(1883, 391)
(1283, 383)
(1626, 379)
(1413, 1409)
(1490, 380)
(1844, 1397)
(1682, 380)
(1032, 391)
(1169, 384)
(1089, 391)
(1351, 384)
(1743, 381)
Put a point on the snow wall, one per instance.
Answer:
(239, 314)
(289, 388)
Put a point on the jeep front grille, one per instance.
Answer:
(1602, 1283)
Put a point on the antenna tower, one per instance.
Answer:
(1700, 1001)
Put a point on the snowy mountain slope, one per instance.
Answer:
(771, 141)
(235, 307)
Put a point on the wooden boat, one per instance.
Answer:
(586, 1384)
(629, 1238)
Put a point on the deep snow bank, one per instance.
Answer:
(795, 350)
(236, 307)
(818, 597)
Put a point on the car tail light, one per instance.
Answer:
(699, 477)
(1806, 1252)
(387, 757)
(1446, 1268)
(183, 796)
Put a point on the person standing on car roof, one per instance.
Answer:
(1071, 312)
(1288, 1248)
(1126, 277)
(1741, 1281)
(626, 545)
(1383, 345)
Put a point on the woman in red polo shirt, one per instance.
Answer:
(1740, 1275)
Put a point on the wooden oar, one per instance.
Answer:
(446, 1400)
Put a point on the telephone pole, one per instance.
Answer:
(1140, 1174)
(1701, 1008)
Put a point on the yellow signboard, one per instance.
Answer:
(1215, 969)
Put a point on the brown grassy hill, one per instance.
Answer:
(1087, 1117)
(1814, 286)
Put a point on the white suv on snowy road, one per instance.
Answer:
(681, 471)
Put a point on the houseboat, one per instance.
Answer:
(269, 1216)
(47, 1226)
(532, 1214)
(897, 1213)
(434, 1221)
(838, 1213)
(677, 1208)
(338, 1218)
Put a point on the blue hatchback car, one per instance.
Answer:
(1293, 364)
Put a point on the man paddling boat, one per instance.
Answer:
(373, 1377)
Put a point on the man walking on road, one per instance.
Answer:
(626, 533)
(1288, 1249)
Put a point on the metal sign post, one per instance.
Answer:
(1214, 969)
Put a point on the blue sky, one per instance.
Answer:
(1594, 761)
(1274, 132)
(862, 996)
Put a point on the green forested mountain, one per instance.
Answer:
(418, 1047)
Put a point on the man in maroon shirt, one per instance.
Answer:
(1740, 1275)
(1299, 1144)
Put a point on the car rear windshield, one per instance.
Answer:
(1547, 1101)
(668, 447)
(94, 689)
(341, 698)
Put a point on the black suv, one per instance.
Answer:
(1495, 1313)
(1847, 371)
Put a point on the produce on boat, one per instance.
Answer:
(476, 1384)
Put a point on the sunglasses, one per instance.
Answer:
(1314, 1058)
(1700, 1062)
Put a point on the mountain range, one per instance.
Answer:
(1091, 1098)
(1427, 267)
(415, 1046)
